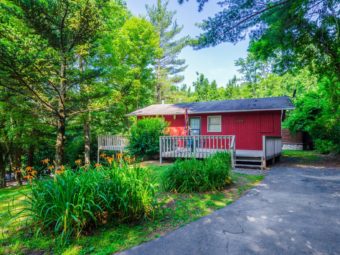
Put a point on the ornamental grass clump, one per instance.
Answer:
(193, 175)
(75, 202)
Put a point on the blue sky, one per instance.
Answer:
(217, 63)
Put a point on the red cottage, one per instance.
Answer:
(250, 128)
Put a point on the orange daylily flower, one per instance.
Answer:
(119, 156)
(103, 155)
(45, 161)
(50, 167)
(109, 160)
(29, 168)
(97, 165)
(78, 162)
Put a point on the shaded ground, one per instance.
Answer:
(309, 159)
(295, 210)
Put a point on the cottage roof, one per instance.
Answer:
(239, 105)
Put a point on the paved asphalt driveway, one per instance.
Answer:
(293, 211)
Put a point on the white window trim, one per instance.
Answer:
(214, 116)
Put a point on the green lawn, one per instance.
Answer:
(300, 155)
(174, 211)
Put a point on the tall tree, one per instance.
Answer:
(128, 55)
(168, 66)
(39, 41)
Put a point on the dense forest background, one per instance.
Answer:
(71, 70)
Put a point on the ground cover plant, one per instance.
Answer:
(173, 210)
(194, 175)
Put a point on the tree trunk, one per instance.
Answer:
(61, 122)
(158, 92)
(158, 83)
(17, 165)
(2, 168)
(30, 155)
(87, 140)
(60, 143)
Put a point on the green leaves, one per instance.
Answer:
(193, 175)
(74, 202)
(144, 137)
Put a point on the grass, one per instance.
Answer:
(174, 210)
(300, 155)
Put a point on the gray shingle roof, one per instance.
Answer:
(254, 104)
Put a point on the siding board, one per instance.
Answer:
(248, 127)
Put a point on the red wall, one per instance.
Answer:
(248, 127)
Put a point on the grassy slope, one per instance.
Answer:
(174, 210)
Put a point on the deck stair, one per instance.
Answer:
(248, 162)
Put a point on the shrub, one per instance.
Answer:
(194, 175)
(75, 202)
(144, 137)
(326, 146)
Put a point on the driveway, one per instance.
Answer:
(293, 211)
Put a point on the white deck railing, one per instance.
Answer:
(198, 146)
(112, 143)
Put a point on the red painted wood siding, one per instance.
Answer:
(248, 127)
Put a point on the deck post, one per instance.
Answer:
(160, 150)
(264, 157)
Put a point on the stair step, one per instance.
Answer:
(249, 160)
(246, 165)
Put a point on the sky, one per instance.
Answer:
(216, 63)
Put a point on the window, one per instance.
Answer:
(214, 123)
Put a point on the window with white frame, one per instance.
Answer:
(214, 124)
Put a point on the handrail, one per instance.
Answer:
(197, 146)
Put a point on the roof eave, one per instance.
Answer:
(207, 112)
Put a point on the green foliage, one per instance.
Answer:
(316, 115)
(144, 137)
(175, 211)
(195, 175)
(75, 202)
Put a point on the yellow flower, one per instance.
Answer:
(109, 160)
(103, 155)
(34, 173)
(78, 162)
(45, 161)
(119, 156)
(62, 168)
(28, 177)
(29, 168)
(50, 167)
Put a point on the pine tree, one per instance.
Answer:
(168, 66)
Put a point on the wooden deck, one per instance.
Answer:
(198, 146)
(205, 146)
(188, 153)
